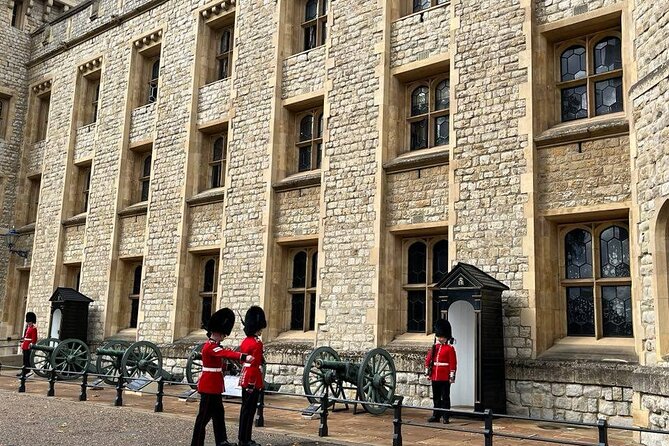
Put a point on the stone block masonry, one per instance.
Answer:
(213, 101)
(303, 73)
(417, 196)
(296, 212)
(420, 36)
(206, 225)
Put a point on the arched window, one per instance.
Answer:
(145, 178)
(217, 162)
(417, 258)
(428, 120)
(578, 254)
(134, 295)
(153, 82)
(314, 27)
(208, 290)
(86, 173)
(310, 140)
(661, 280)
(302, 291)
(608, 55)
(439, 260)
(224, 56)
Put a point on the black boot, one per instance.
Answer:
(433, 419)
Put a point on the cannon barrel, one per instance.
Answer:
(110, 352)
(43, 348)
(339, 366)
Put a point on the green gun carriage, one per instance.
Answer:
(69, 358)
(131, 360)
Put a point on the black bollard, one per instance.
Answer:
(487, 429)
(22, 380)
(84, 387)
(397, 421)
(159, 395)
(260, 417)
(323, 426)
(602, 432)
(52, 383)
(119, 391)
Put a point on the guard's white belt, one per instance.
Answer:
(441, 363)
(212, 369)
(247, 364)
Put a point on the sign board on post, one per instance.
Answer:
(232, 387)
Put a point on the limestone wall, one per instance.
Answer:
(131, 237)
(213, 101)
(84, 147)
(303, 73)
(417, 196)
(296, 212)
(36, 157)
(420, 35)
(590, 173)
(142, 123)
(552, 10)
(206, 225)
(73, 243)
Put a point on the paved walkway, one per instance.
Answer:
(136, 424)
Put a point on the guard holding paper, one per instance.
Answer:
(440, 367)
(251, 380)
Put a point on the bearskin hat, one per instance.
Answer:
(442, 329)
(221, 321)
(254, 320)
(30, 317)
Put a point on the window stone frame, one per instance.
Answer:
(431, 83)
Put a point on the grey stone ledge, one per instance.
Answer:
(571, 372)
(580, 131)
(416, 160)
(26, 229)
(650, 80)
(135, 209)
(209, 196)
(299, 181)
(651, 380)
(76, 220)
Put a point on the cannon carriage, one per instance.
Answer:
(69, 358)
(373, 379)
(131, 360)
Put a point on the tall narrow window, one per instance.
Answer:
(208, 290)
(43, 104)
(95, 99)
(134, 295)
(18, 14)
(85, 179)
(590, 78)
(314, 26)
(4, 116)
(302, 290)
(153, 82)
(310, 140)
(34, 185)
(428, 117)
(217, 162)
(145, 179)
(426, 262)
(599, 301)
(224, 56)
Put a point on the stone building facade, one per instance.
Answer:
(330, 160)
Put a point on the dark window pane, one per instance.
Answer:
(574, 103)
(300, 270)
(216, 175)
(309, 37)
(608, 55)
(219, 146)
(572, 63)
(419, 99)
(324, 7)
(304, 161)
(319, 130)
(416, 263)
(306, 128)
(416, 311)
(297, 312)
(153, 84)
(319, 155)
(609, 96)
(134, 312)
(146, 170)
(225, 41)
(578, 254)
(314, 269)
(580, 311)
(223, 68)
(155, 70)
(144, 196)
(324, 32)
(310, 10)
(439, 260)
(419, 5)
(206, 311)
(418, 135)
(441, 130)
(617, 310)
(441, 99)
(614, 252)
(312, 311)
(137, 280)
(209, 272)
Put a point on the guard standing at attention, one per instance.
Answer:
(210, 385)
(251, 379)
(29, 339)
(440, 367)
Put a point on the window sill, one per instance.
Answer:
(584, 129)
(208, 196)
(127, 334)
(26, 229)
(76, 220)
(423, 11)
(620, 350)
(418, 159)
(299, 181)
(296, 338)
(135, 209)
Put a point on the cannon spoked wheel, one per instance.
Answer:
(140, 359)
(376, 380)
(110, 366)
(315, 380)
(194, 366)
(70, 359)
(40, 360)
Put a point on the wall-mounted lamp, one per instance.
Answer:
(10, 238)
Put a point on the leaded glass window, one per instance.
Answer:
(309, 140)
(614, 252)
(428, 117)
(208, 290)
(314, 26)
(145, 179)
(420, 5)
(578, 254)
(153, 82)
(224, 55)
(590, 78)
(580, 311)
(217, 161)
(302, 289)
(134, 295)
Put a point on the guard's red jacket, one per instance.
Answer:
(251, 373)
(211, 379)
(29, 337)
(445, 362)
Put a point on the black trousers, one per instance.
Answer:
(246, 414)
(26, 359)
(211, 408)
(441, 396)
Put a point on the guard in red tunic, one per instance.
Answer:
(251, 379)
(440, 366)
(29, 339)
(210, 384)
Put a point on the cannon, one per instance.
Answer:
(374, 379)
(69, 358)
(194, 366)
(121, 358)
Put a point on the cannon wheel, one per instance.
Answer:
(40, 360)
(70, 359)
(376, 380)
(110, 366)
(194, 365)
(315, 380)
(142, 358)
